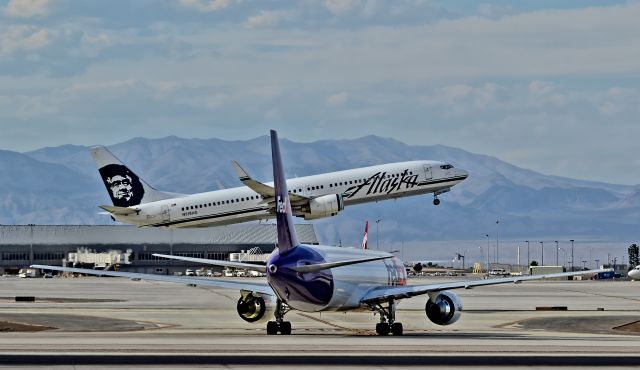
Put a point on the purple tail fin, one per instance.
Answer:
(286, 232)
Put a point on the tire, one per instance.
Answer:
(272, 328)
(436, 202)
(285, 328)
(396, 329)
(382, 328)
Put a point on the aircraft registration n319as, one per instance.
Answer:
(315, 278)
(312, 197)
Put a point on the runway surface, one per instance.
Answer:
(103, 322)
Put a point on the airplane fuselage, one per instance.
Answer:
(338, 289)
(635, 273)
(361, 185)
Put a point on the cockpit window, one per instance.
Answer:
(446, 167)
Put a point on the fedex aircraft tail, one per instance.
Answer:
(286, 232)
(125, 188)
(365, 238)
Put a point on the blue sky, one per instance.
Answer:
(552, 86)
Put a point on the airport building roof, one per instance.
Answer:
(118, 234)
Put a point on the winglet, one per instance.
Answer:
(242, 174)
(265, 191)
(287, 238)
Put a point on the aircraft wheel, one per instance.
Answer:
(272, 328)
(285, 328)
(382, 328)
(436, 202)
(396, 329)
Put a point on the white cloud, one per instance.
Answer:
(338, 99)
(23, 37)
(26, 8)
(205, 5)
(537, 87)
(341, 7)
(268, 18)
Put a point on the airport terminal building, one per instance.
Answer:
(22, 245)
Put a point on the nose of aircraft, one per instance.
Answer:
(462, 173)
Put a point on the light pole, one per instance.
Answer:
(542, 248)
(377, 231)
(481, 253)
(564, 257)
(557, 250)
(528, 259)
(487, 235)
(497, 229)
(571, 253)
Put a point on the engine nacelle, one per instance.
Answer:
(324, 206)
(254, 308)
(417, 267)
(443, 308)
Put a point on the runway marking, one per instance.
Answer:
(600, 295)
(357, 331)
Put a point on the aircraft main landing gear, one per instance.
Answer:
(284, 327)
(436, 201)
(387, 322)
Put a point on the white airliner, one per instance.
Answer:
(635, 273)
(135, 202)
(314, 278)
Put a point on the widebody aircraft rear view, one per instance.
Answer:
(313, 278)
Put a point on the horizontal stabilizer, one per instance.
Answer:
(237, 265)
(120, 211)
(327, 265)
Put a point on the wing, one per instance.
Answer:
(267, 192)
(238, 265)
(226, 284)
(399, 292)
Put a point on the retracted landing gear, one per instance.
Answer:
(284, 327)
(387, 322)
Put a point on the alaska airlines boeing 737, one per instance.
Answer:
(321, 278)
(136, 202)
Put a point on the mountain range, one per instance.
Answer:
(60, 185)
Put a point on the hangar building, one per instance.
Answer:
(22, 245)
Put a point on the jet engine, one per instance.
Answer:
(255, 308)
(417, 267)
(324, 206)
(443, 308)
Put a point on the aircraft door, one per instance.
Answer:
(427, 172)
(165, 213)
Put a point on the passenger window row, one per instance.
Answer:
(213, 204)
(295, 191)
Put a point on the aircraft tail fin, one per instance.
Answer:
(287, 238)
(365, 237)
(125, 188)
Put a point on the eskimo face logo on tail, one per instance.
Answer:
(125, 188)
